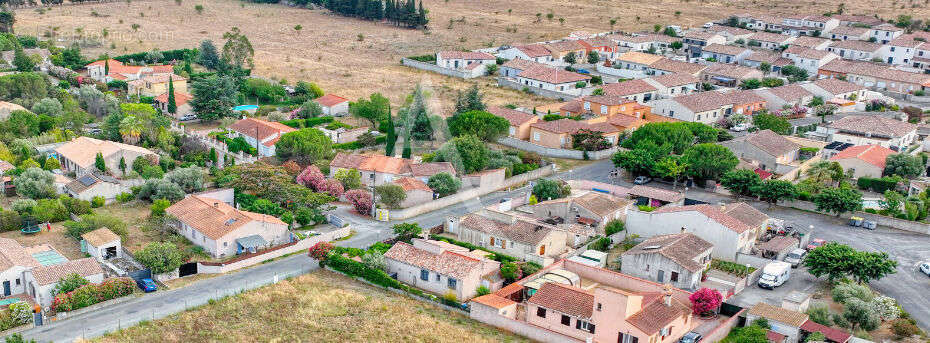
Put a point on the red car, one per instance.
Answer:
(815, 243)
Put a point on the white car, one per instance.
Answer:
(741, 127)
(925, 268)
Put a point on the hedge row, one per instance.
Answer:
(310, 122)
(355, 145)
(376, 276)
(169, 55)
(494, 255)
(91, 294)
(879, 185)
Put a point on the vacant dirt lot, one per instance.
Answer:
(321, 307)
(355, 58)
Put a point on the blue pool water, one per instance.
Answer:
(245, 108)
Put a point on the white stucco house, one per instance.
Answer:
(442, 268)
(42, 280)
(261, 134)
(102, 244)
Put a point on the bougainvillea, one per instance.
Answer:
(320, 251)
(360, 199)
(705, 301)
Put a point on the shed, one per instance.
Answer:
(796, 301)
(102, 244)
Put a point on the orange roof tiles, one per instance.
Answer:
(47, 275)
(330, 100)
(494, 300)
(214, 218)
(409, 184)
(872, 154)
(260, 129)
(446, 263)
(565, 299)
(516, 118)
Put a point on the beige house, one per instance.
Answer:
(765, 148)
(102, 244)
(558, 133)
(377, 170)
(442, 268)
(417, 191)
(222, 230)
(79, 155)
(42, 280)
(592, 208)
(519, 121)
(679, 259)
(155, 85)
(871, 129)
(95, 185)
(181, 100)
(97, 70)
(864, 160)
(261, 134)
(523, 238)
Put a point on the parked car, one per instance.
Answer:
(147, 285)
(774, 274)
(642, 180)
(795, 257)
(708, 25)
(582, 71)
(741, 127)
(691, 337)
(187, 117)
(815, 243)
(925, 268)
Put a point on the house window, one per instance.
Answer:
(603, 109)
(587, 105)
(541, 312)
(424, 274)
(536, 136)
(452, 283)
(566, 320)
(674, 277)
(225, 244)
(598, 307)
(513, 131)
(17, 282)
(647, 267)
(583, 325)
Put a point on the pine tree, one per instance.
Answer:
(391, 136)
(172, 105)
(421, 16)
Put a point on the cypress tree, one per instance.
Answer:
(391, 136)
(172, 105)
(106, 67)
(407, 150)
(422, 16)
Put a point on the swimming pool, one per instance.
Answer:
(8, 301)
(245, 108)
(872, 203)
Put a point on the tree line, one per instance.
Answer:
(401, 13)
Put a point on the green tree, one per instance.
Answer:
(405, 231)
(482, 124)
(676, 45)
(861, 315)
(237, 50)
(548, 189)
(765, 67)
(209, 58)
(470, 100)
(570, 58)
(418, 125)
(815, 101)
(825, 171)
(636, 161)
(160, 257)
(767, 121)
(773, 191)
(377, 109)
(467, 153)
(158, 207)
(904, 165)
(671, 167)
(870, 266)
(444, 184)
(750, 84)
(838, 200)
(99, 163)
(306, 145)
(213, 98)
(172, 103)
(741, 181)
(832, 260)
(391, 194)
(593, 57)
(892, 202)
(350, 178)
(69, 283)
(122, 165)
(391, 137)
(48, 106)
(23, 62)
(310, 109)
(708, 161)
(51, 163)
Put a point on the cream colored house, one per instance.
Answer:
(79, 155)
(864, 160)
(442, 268)
(519, 121)
(522, 238)
(155, 85)
(42, 280)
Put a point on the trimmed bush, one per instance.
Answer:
(94, 293)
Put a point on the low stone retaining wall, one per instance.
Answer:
(895, 223)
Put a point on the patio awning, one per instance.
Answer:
(250, 242)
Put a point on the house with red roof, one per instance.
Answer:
(530, 52)
(470, 61)
(870, 129)
(377, 170)
(97, 70)
(569, 301)
(333, 105)
(557, 134)
(731, 228)
(181, 100)
(864, 160)
(416, 190)
(519, 121)
(261, 134)
(442, 268)
(552, 79)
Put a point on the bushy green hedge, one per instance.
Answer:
(168, 55)
(91, 294)
(424, 58)
(502, 258)
(355, 145)
(878, 185)
(309, 122)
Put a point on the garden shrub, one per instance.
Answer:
(904, 328)
(93, 293)
(600, 244)
(50, 210)
(76, 206)
(848, 290)
(614, 226)
(97, 201)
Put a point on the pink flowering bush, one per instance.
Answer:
(332, 187)
(311, 178)
(320, 251)
(93, 293)
(705, 301)
(361, 200)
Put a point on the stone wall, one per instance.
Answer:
(722, 330)
(437, 69)
(503, 82)
(881, 220)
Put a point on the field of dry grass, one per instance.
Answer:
(355, 58)
(320, 307)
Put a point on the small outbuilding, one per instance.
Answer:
(102, 244)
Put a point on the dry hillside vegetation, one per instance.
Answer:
(320, 307)
(355, 58)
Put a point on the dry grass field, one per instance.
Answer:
(320, 307)
(355, 58)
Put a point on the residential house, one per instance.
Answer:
(377, 170)
(703, 107)
(333, 105)
(156, 84)
(79, 155)
(835, 89)
(885, 33)
(877, 76)
(859, 50)
(520, 237)
(678, 259)
(871, 129)
(857, 20)
(626, 123)
(181, 103)
(97, 70)
(561, 49)
(695, 41)
(261, 134)
(442, 268)
(417, 191)
(815, 43)
(637, 63)
(728, 75)
(222, 230)
(464, 60)
(517, 65)
(781, 320)
(15, 260)
(551, 79)
(600, 107)
(591, 208)
(864, 160)
(672, 85)
(637, 90)
(772, 58)
(731, 228)
(102, 244)
(655, 197)
(848, 33)
(519, 121)
(643, 41)
(770, 151)
(570, 301)
(808, 59)
(731, 33)
(670, 66)
(532, 52)
(344, 135)
(604, 47)
(95, 184)
(722, 53)
(789, 95)
(557, 134)
(43, 279)
(767, 40)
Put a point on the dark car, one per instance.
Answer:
(691, 337)
(582, 71)
(147, 285)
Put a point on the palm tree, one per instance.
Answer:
(820, 171)
(131, 129)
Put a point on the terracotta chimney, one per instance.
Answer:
(668, 294)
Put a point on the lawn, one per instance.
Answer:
(321, 307)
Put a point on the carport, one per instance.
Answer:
(778, 247)
(250, 244)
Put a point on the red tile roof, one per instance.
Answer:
(871, 154)
(516, 118)
(657, 315)
(375, 163)
(534, 50)
(330, 100)
(682, 248)
(410, 184)
(656, 193)
(494, 301)
(214, 218)
(431, 168)
(773, 336)
(627, 88)
(570, 126)
(566, 299)
(874, 124)
(833, 334)
(552, 75)
(447, 263)
(260, 129)
(180, 98)
(47, 275)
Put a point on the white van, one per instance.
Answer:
(775, 274)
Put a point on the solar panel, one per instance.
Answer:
(87, 180)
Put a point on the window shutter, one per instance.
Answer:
(503, 244)
(578, 324)
(492, 241)
(591, 328)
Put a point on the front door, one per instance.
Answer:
(542, 250)
(6, 288)
(661, 276)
